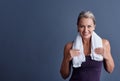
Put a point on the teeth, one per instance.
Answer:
(85, 34)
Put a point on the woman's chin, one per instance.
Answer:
(86, 37)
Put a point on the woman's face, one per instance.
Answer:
(85, 27)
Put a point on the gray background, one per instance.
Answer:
(33, 34)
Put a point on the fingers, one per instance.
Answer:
(74, 52)
(99, 51)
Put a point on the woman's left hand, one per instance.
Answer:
(100, 51)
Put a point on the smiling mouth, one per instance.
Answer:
(85, 34)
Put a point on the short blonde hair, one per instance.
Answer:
(86, 14)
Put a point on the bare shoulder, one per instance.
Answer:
(105, 42)
(68, 46)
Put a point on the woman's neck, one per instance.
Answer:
(86, 41)
(87, 46)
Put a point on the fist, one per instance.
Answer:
(99, 51)
(74, 52)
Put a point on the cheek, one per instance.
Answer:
(80, 30)
(94, 27)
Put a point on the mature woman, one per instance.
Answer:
(89, 60)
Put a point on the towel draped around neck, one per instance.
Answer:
(96, 42)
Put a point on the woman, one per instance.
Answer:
(89, 70)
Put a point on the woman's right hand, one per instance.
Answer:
(74, 52)
(69, 53)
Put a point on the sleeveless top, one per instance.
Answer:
(89, 71)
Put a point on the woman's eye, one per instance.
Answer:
(89, 26)
(81, 26)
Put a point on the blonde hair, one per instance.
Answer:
(86, 14)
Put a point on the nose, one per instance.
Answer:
(85, 29)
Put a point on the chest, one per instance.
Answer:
(87, 49)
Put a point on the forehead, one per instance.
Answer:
(86, 21)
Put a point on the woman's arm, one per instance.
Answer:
(108, 60)
(66, 62)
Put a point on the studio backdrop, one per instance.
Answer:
(33, 34)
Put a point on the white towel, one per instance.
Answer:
(96, 42)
